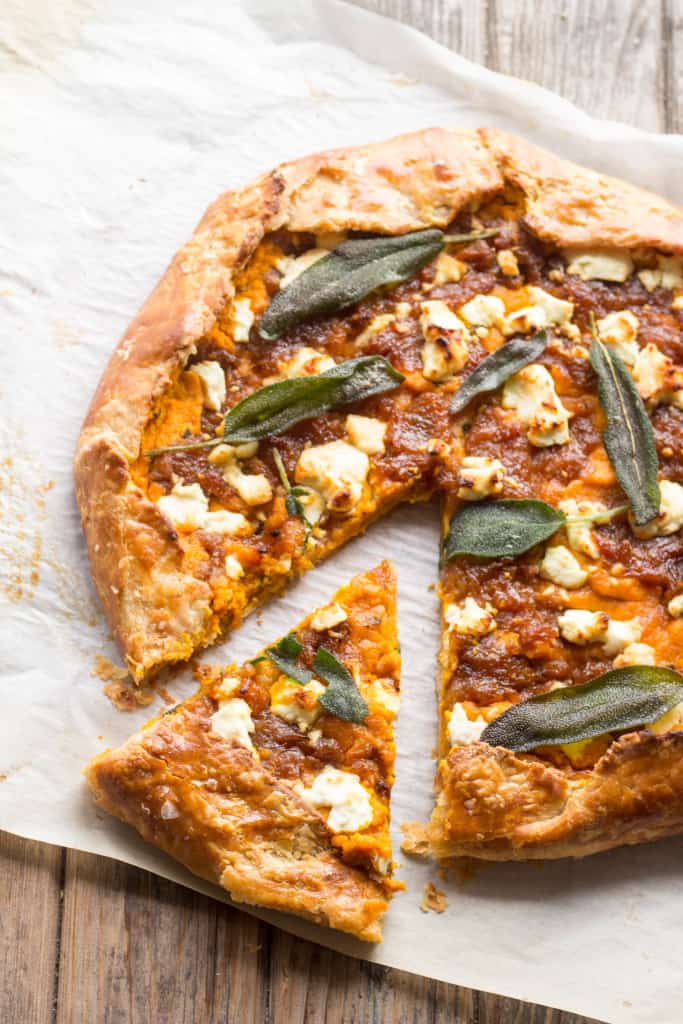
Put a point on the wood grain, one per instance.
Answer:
(126, 947)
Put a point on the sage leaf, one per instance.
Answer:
(628, 437)
(276, 407)
(625, 698)
(342, 697)
(349, 273)
(496, 368)
(284, 655)
(500, 529)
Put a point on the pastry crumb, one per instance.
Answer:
(415, 843)
(126, 697)
(433, 899)
(107, 671)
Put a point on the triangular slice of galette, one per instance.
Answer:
(274, 779)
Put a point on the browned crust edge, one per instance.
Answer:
(497, 805)
(252, 833)
(158, 614)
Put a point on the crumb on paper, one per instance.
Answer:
(399, 78)
(433, 899)
(125, 696)
(415, 842)
(165, 695)
(107, 671)
(431, 587)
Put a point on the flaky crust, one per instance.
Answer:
(498, 805)
(218, 809)
(158, 613)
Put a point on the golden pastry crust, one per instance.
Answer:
(238, 819)
(496, 805)
(158, 611)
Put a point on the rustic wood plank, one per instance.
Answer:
(30, 885)
(601, 54)
(136, 948)
(459, 24)
(671, 66)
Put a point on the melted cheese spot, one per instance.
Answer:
(656, 377)
(580, 535)
(670, 518)
(560, 566)
(483, 311)
(383, 697)
(675, 606)
(366, 434)
(328, 617)
(186, 506)
(469, 618)
(448, 270)
(507, 261)
(243, 317)
(306, 362)
(445, 349)
(619, 330)
(531, 394)
(233, 721)
(579, 626)
(666, 275)
(212, 377)
(233, 567)
(635, 654)
(345, 795)
(599, 264)
(463, 730)
(336, 470)
(480, 477)
(545, 310)
(296, 704)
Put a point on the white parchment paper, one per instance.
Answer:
(119, 123)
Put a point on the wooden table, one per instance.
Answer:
(86, 940)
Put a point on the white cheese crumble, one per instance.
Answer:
(296, 704)
(560, 566)
(385, 697)
(291, 267)
(635, 654)
(463, 730)
(187, 507)
(667, 274)
(448, 270)
(377, 324)
(675, 606)
(580, 535)
(212, 378)
(225, 452)
(336, 470)
(483, 311)
(656, 377)
(599, 264)
(583, 627)
(531, 394)
(305, 363)
(469, 618)
(328, 617)
(507, 261)
(366, 433)
(545, 310)
(579, 626)
(233, 567)
(619, 330)
(670, 518)
(253, 488)
(480, 477)
(233, 721)
(243, 318)
(345, 795)
(445, 349)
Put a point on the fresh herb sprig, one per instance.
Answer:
(625, 698)
(628, 437)
(352, 271)
(493, 371)
(293, 496)
(273, 409)
(341, 698)
(509, 527)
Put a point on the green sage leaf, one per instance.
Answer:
(500, 529)
(628, 438)
(276, 407)
(349, 273)
(285, 654)
(342, 697)
(625, 698)
(496, 368)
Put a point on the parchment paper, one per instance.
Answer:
(119, 123)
